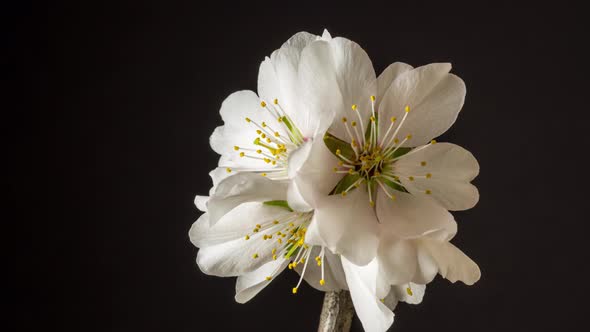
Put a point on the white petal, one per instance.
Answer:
(224, 249)
(417, 293)
(410, 216)
(318, 95)
(346, 225)
(388, 76)
(397, 260)
(315, 177)
(243, 187)
(452, 263)
(333, 273)
(451, 168)
(373, 314)
(198, 228)
(326, 35)
(434, 96)
(201, 202)
(250, 284)
(356, 80)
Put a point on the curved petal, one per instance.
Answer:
(373, 314)
(243, 187)
(356, 81)
(346, 225)
(312, 171)
(397, 260)
(201, 202)
(410, 293)
(199, 227)
(452, 263)
(444, 171)
(389, 75)
(409, 216)
(334, 278)
(225, 251)
(434, 97)
(250, 284)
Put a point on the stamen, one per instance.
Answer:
(361, 138)
(302, 272)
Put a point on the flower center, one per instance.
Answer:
(370, 157)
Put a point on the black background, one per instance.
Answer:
(114, 150)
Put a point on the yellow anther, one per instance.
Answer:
(294, 290)
(274, 257)
(340, 163)
(353, 123)
(258, 226)
(393, 118)
(428, 175)
(393, 197)
(247, 237)
(277, 134)
(269, 278)
(428, 192)
(319, 263)
(382, 300)
(409, 137)
(294, 264)
(228, 170)
(236, 148)
(351, 171)
(268, 140)
(290, 266)
(255, 230)
(265, 237)
(276, 101)
(263, 135)
(335, 169)
(409, 291)
(302, 260)
(280, 241)
(396, 141)
(344, 119)
(371, 203)
(411, 178)
(338, 152)
(291, 224)
(266, 160)
(263, 174)
(344, 194)
(433, 142)
(372, 98)
(317, 258)
(242, 154)
(372, 119)
(258, 151)
(255, 256)
(274, 251)
(258, 131)
(248, 120)
(322, 282)
(276, 222)
(407, 108)
(263, 125)
(262, 104)
(423, 163)
(353, 107)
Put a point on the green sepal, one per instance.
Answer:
(279, 203)
(334, 143)
(345, 183)
(393, 185)
(400, 152)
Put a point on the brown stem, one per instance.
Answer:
(337, 312)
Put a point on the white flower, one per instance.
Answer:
(390, 185)
(261, 131)
(248, 231)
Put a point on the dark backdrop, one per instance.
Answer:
(126, 94)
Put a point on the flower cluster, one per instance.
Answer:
(334, 172)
